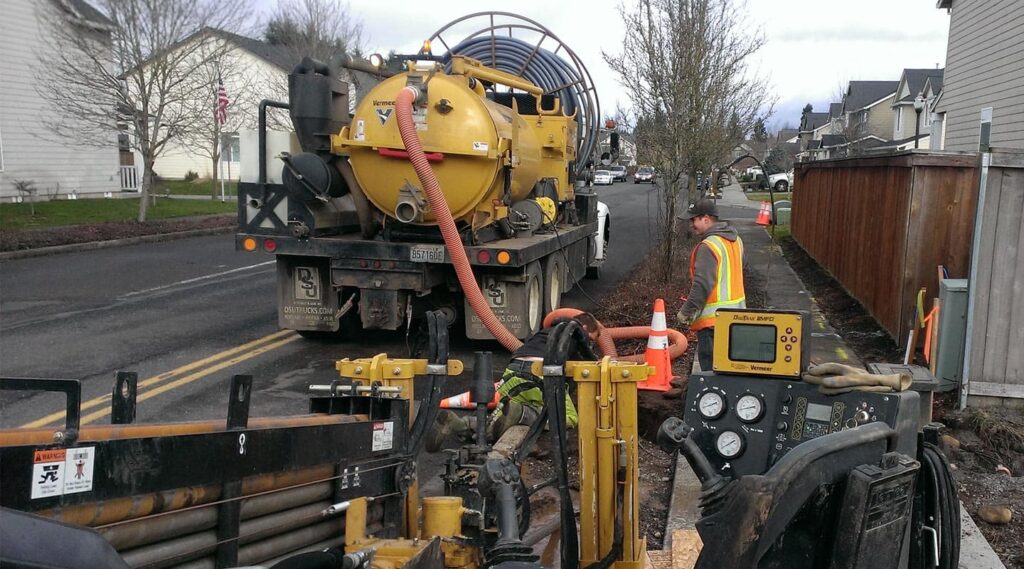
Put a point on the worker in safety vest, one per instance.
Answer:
(522, 396)
(716, 276)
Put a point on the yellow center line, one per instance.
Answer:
(193, 377)
(103, 399)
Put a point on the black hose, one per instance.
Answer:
(940, 510)
(437, 354)
(554, 399)
(619, 532)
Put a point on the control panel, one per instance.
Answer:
(745, 424)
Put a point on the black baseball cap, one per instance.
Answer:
(701, 207)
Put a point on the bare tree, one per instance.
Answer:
(206, 135)
(132, 75)
(686, 65)
(319, 29)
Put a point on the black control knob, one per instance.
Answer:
(786, 399)
(862, 416)
(782, 426)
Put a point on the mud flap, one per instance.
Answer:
(305, 298)
(510, 302)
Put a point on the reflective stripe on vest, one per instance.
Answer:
(727, 290)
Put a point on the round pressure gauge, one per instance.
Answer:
(729, 444)
(749, 408)
(711, 405)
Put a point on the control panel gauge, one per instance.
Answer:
(711, 405)
(749, 408)
(729, 444)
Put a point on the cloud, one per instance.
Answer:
(858, 33)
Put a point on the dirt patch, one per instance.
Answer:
(987, 439)
(70, 234)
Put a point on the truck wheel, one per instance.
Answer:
(534, 297)
(554, 281)
(781, 186)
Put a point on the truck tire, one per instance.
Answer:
(554, 281)
(781, 186)
(534, 298)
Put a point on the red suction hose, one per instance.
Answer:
(403, 109)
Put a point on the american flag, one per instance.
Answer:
(220, 108)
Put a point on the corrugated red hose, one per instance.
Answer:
(403, 109)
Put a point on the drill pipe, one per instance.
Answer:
(18, 437)
(144, 531)
(120, 509)
(263, 537)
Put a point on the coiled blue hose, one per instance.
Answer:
(547, 71)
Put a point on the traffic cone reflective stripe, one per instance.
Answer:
(656, 354)
(764, 216)
(462, 400)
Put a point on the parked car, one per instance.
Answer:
(603, 178)
(618, 173)
(644, 174)
(782, 181)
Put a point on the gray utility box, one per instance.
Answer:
(952, 333)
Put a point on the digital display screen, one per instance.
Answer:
(821, 413)
(752, 343)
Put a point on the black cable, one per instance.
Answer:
(554, 398)
(940, 511)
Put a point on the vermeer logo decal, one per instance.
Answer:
(383, 115)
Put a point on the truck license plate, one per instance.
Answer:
(427, 253)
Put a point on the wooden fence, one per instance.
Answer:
(994, 370)
(881, 225)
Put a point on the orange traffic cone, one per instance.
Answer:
(656, 354)
(462, 401)
(764, 216)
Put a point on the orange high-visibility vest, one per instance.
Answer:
(727, 290)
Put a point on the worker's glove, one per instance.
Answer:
(833, 379)
(684, 319)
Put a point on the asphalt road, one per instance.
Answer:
(186, 315)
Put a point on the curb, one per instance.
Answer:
(92, 245)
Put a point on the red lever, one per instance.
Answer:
(392, 153)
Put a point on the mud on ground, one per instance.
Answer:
(982, 439)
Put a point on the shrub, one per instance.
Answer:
(191, 176)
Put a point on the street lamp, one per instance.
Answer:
(918, 107)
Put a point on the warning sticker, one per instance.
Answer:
(419, 118)
(78, 470)
(383, 435)
(48, 473)
(480, 146)
(62, 471)
(360, 129)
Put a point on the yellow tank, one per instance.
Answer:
(469, 140)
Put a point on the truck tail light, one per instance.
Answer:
(483, 256)
(364, 263)
(504, 257)
(269, 245)
(249, 244)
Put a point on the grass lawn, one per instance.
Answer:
(196, 188)
(763, 196)
(15, 216)
(781, 231)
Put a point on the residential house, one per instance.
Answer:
(811, 121)
(868, 111)
(257, 70)
(936, 121)
(982, 100)
(911, 125)
(28, 151)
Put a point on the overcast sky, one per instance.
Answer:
(812, 47)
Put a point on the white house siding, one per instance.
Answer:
(268, 82)
(28, 153)
(984, 68)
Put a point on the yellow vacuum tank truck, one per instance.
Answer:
(456, 185)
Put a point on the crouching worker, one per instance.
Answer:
(521, 393)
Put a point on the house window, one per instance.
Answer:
(230, 149)
(1, 151)
(986, 129)
(899, 118)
